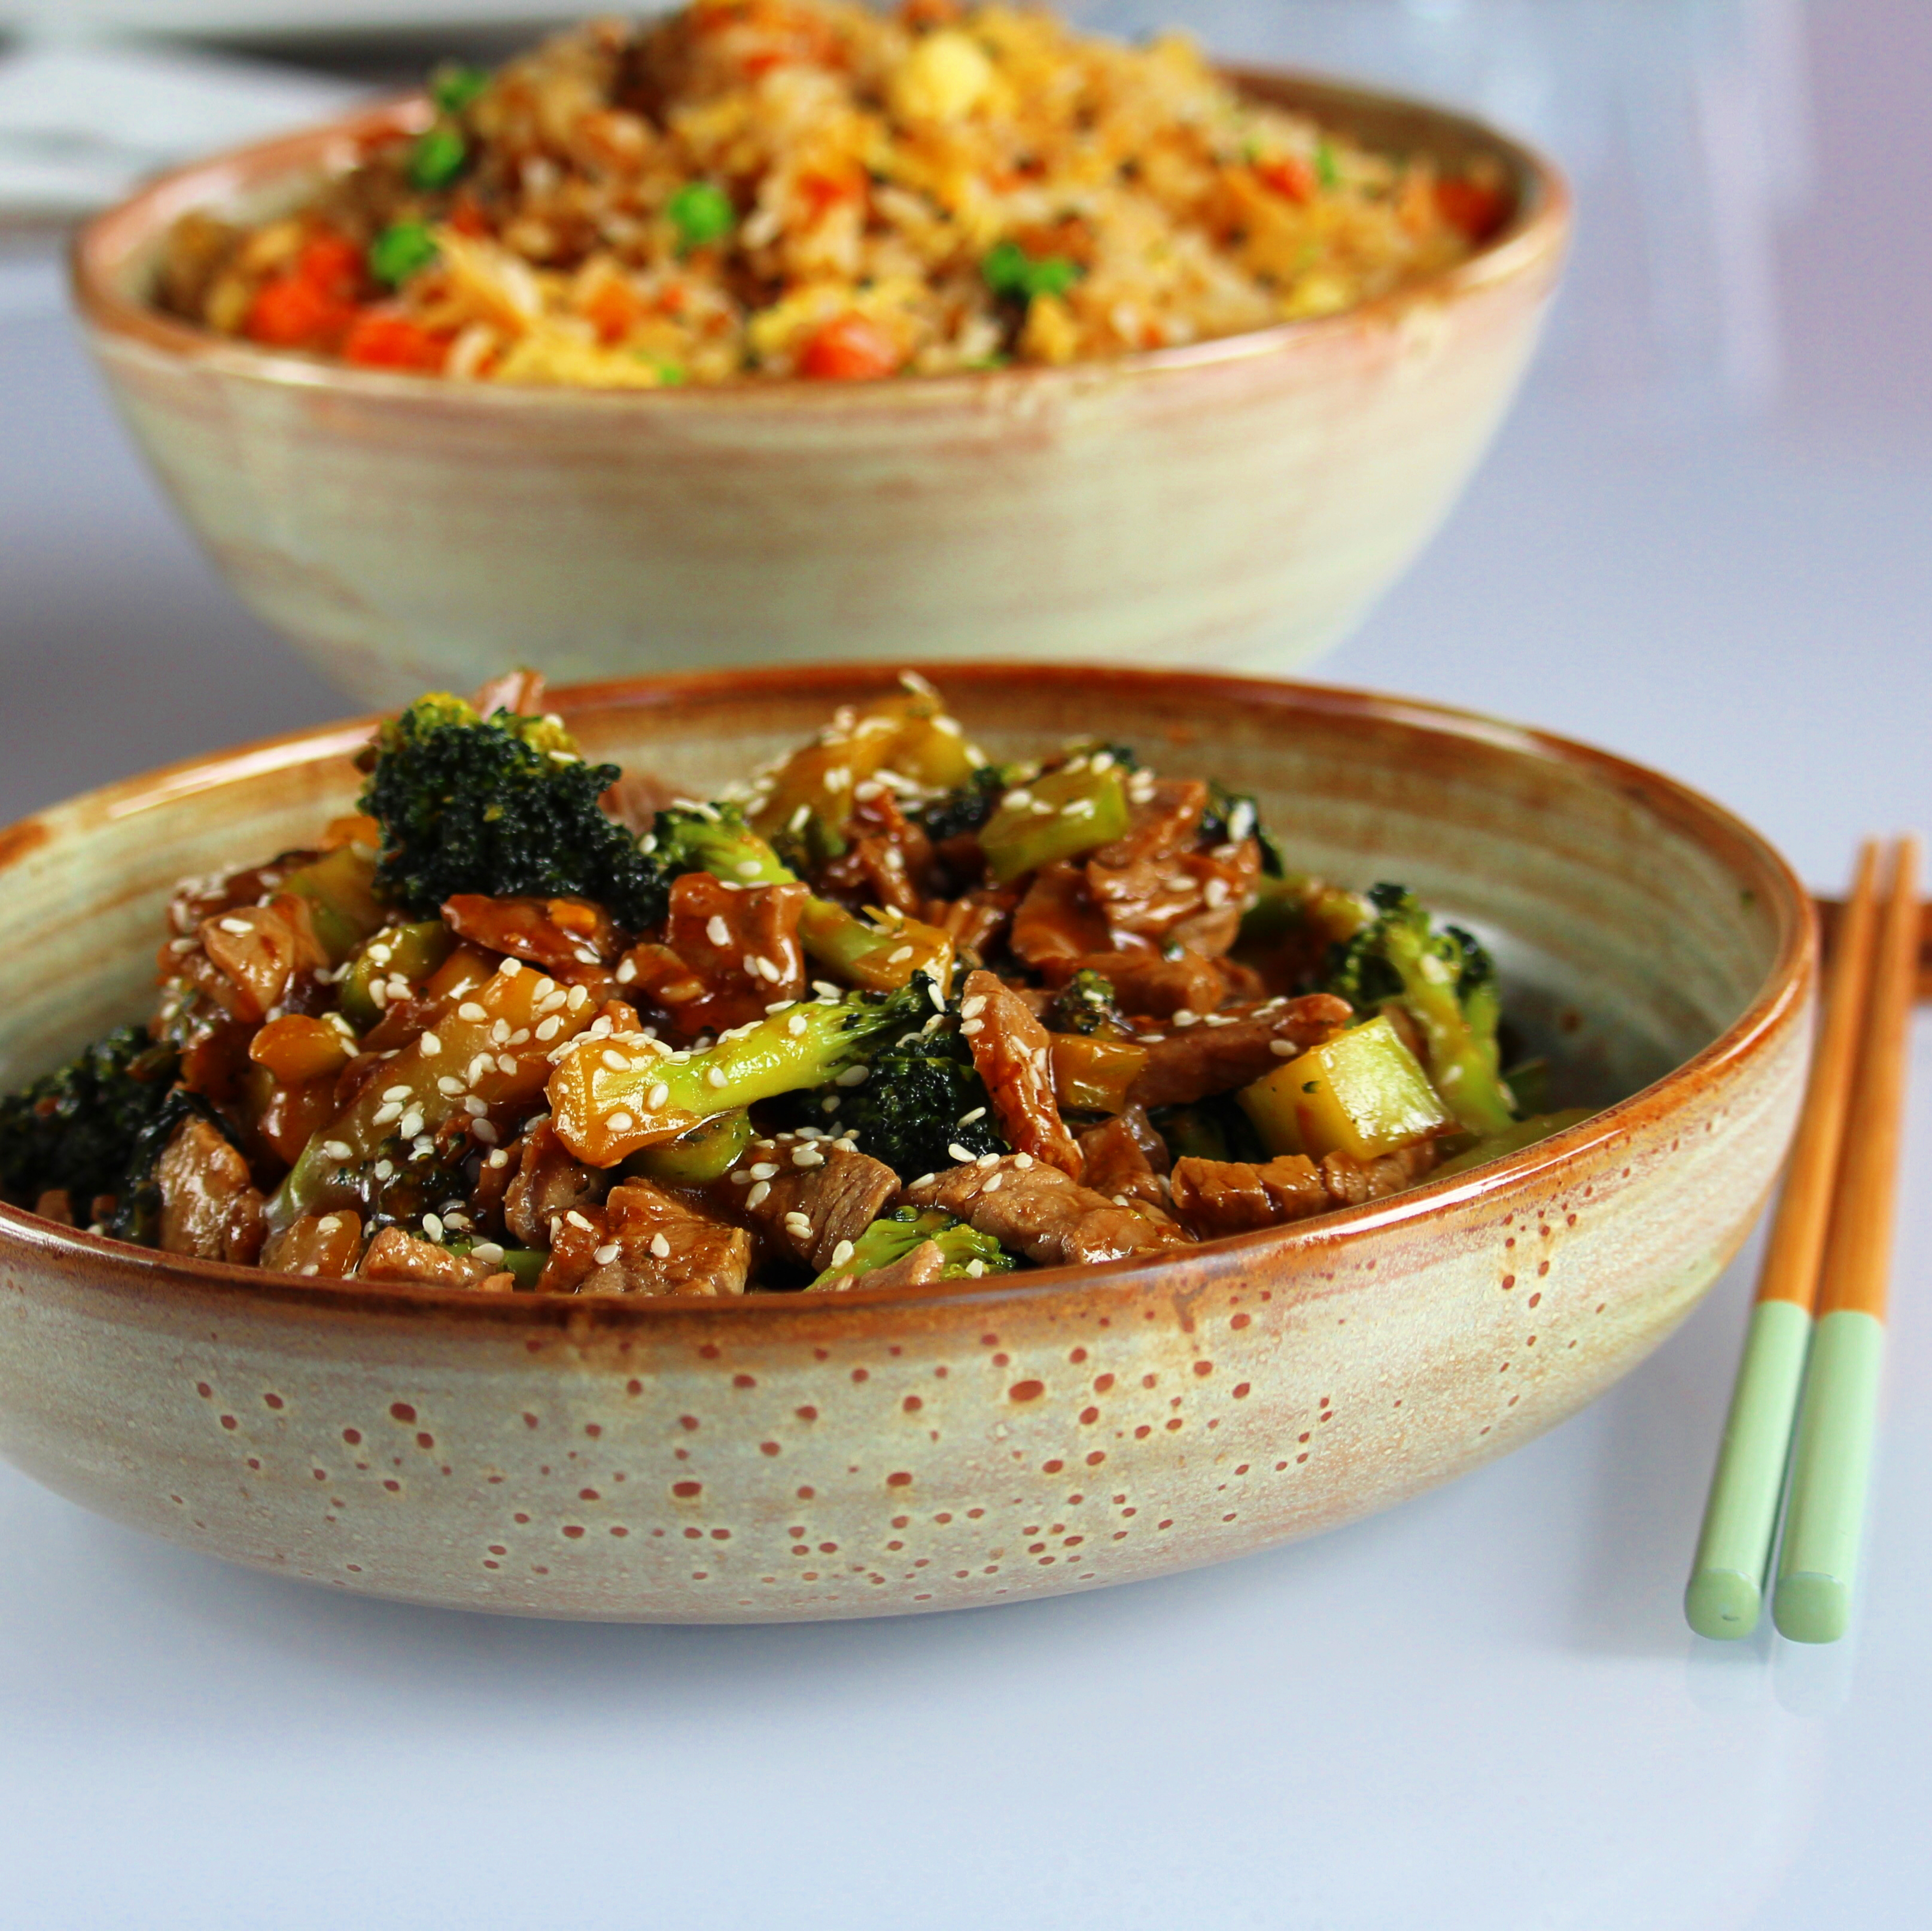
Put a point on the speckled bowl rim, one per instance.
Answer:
(1537, 228)
(139, 1271)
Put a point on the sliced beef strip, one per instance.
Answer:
(918, 1268)
(1147, 986)
(1011, 1053)
(1350, 1182)
(1188, 1063)
(742, 941)
(1126, 1159)
(1057, 920)
(1214, 1197)
(646, 1240)
(564, 936)
(1169, 820)
(804, 1197)
(1041, 1212)
(549, 1181)
(394, 1255)
(209, 1206)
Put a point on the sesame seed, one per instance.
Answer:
(756, 1198)
(714, 1077)
(717, 931)
(899, 956)
(396, 1093)
(411, 1123)
(603, 1256)
(1023, 1161)
(578, 999)
(549, 1028)
(328, 1223)
(577, 1220)
(337, 1149)
(620, 1122)
(657, 1096)
(977, 1113)
(450, 1085)
(506, 1063)
(1215, 894)
(854, 1076)
(825, 989)
(973, 1007)
(470, 1010)
(968, 1027)
(660, 1247)
(429, 1045)
(433, 1226)
(807, 1156)
(994, 1186)
(988, 1160)
(384, 1115)
(481, 1129)
(615, 1061)
(239, 926)
(1183, 1017)
(959, 1153)
(764, 1170)
(385, 1170)
(829, 1105)
(1282, 1048)
(500, 1159)
(1102, 760)
(976, 1269)
(487, 1251)
(511, 968)
(796, 1025)
(937, 997)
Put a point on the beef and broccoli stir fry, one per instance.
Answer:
(891, 1014)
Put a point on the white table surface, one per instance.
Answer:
(1710, 551)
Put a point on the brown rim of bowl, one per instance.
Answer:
(1788, 984)
(100, 249)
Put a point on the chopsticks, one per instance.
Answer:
(1832, 1463)
(1828, 1250)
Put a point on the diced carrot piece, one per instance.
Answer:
(615, 310)
(290, 311)
(1291, 176)
(394, 342)
(852, 349)
(1473, 206)
(333, 263)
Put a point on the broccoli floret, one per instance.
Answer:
(1211, 1129)
(968, 1253)
(1447, 984)
(967, 806)
(714, 838)
(77, 1128)
(1085, 1005)
(1231, 816)
(504, 806)
(921, 1098)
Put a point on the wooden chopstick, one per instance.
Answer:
(1831, 918)
(1831, 1462)
(1726, 1591)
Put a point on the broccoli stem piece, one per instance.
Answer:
(1076, 807)
(1447, 984)
(504, 806)
(611, 1097)
(969, 1254)
(708, 1153)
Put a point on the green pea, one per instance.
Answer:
(1326, 172)
(437, 158)
(1009, 270)
(703, 212)
(454, 85)
(401, 250)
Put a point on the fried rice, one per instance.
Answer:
(758, 189)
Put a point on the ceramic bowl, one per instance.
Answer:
(1237, 502)
(776, 1457)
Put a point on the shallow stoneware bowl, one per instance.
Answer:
(1238, 502)
(777, 1457)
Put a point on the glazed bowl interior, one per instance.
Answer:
(1628, 942)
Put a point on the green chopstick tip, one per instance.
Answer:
(1808, 1608)
(1722, 1603)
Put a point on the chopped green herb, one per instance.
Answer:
(403, 249)
(455, 85)
(1326, 172)
(437, 158)
(703, 212)
(1009, 270)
